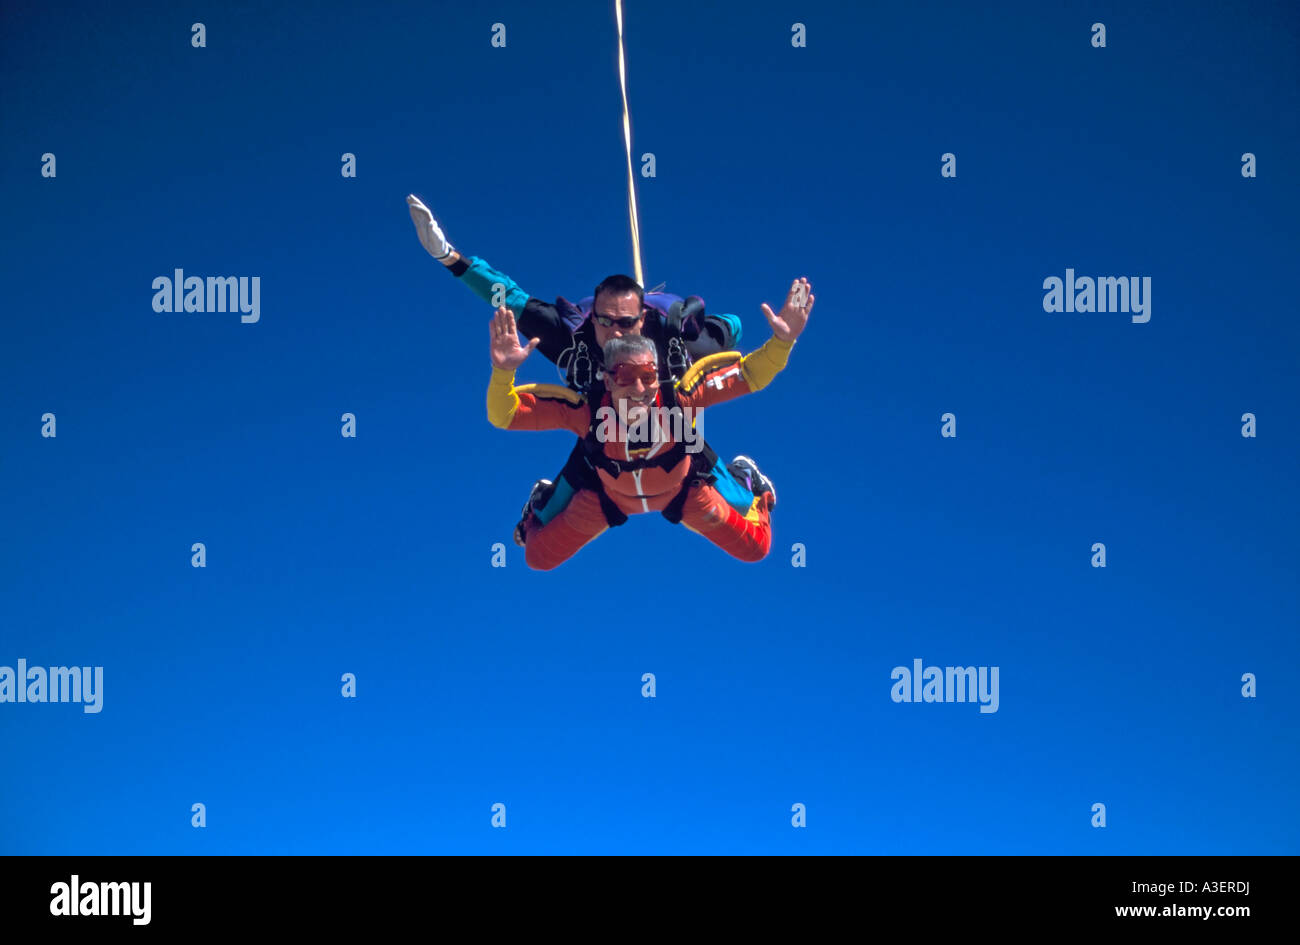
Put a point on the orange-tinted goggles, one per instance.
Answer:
(626, 374)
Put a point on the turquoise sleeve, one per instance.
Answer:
(481, 279)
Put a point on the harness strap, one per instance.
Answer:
(614, 516)
(581, 474)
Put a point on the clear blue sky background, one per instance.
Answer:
(372, 555)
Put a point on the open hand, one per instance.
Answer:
(793, 317)
(505, 350)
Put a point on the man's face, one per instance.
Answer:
(633, 383)
(624, 306)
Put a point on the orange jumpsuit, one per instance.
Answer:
(710, 381)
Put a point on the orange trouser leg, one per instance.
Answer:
(549, 546)
(747, 537)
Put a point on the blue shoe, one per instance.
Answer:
(758, 483)
(540, 488)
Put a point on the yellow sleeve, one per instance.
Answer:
(763, 364)
(502, 401)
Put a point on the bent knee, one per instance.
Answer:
(538, 560)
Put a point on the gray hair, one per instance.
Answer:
(619, 349)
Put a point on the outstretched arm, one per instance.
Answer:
(724, 377)
(537, 318)
(489, 285)
(533, 406)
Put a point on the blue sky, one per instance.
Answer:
(479, 685)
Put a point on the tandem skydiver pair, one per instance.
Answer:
(639, 356)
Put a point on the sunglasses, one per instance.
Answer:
(626, 374)
(608, 321)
